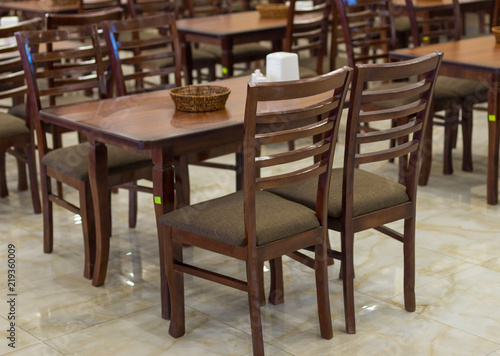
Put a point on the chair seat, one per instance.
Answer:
(11, 126)
(222, 219)
(307, 67)
(463, 88)
(73, 160)
(371, 193)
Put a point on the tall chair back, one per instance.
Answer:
(16, 132)
(156, 57)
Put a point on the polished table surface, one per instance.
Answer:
(228, 30)
(147, 122)
(475, 59)
(34, 8)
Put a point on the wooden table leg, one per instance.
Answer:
(187, 59)
(227, 58)
(98, 167)
(493, 139)
(163, 195)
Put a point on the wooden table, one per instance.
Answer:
(479, 6)
(228, 30)
(147, 122)
(37, 8)
(476, 59)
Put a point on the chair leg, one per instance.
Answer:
(132, 208)
(57, 143)
(347, 237)
(409, 264)
(88, 226)
(4, 191)
(173, 252)
(35, 194)
(254, 303)
(182, 188)
(48, 223)
(22, 178)
(321, 272)
(425, 167)
(467, 137)
(450, 130)
(277, 292)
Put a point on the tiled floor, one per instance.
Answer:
(58, 312)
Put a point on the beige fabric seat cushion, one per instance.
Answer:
(73, 160)
(371, 193)
(11, 126)
(222, 219)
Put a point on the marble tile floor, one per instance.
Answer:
(58, 312)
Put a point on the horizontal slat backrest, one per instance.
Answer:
(402, 108)
(12, 84)
(155, 44)
(278, 112)
(368, 29)
(307, 29)
(68, 73)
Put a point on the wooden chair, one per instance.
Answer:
(16, 135)
(360, 200)
(495, 16)
(369, 33)
(308, 36)
(201, 59)
(83, 70)
(431, 29)
(253, 225)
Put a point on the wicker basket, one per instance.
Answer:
(200, 98)
(496, 31)
(273, 11)
(64, 2)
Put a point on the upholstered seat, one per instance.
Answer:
(73, 161)
(11, 126)
(222, 219)
(372, 192)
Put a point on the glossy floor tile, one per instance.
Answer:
(58, 312)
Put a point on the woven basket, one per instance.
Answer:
(64, 2)
(200, 98)
(496, 32)
(273, 11)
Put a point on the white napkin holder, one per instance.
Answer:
(282, 66)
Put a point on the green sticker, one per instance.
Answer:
(157, 200)
(492, 118)
(224, 70)
(425, 38)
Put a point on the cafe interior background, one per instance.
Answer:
(58, 312)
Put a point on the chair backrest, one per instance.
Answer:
(307, 30)
(156, 57)
(411, 102)
(55, 21)
(66, 72)
(444, 24)
(89, 5)
(278, 112)
(368, 29)
(138, 8)
(12, 83)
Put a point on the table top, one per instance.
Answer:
(40, 6)
(478, 53)
(149, 120)
(229, 24)
(420, 4)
